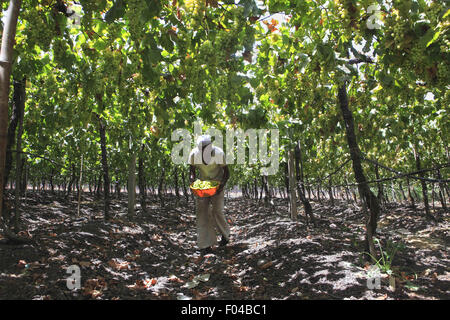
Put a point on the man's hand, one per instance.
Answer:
(221, 186)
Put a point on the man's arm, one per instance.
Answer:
(192, 175)
(226, 176)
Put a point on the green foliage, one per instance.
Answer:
(149, 67)
(384, 263)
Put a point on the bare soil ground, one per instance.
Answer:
(269, 256)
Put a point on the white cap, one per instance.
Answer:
(203, 141)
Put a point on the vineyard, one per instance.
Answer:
(350, 99)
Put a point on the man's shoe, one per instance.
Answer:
(223, 242)
(206, 251)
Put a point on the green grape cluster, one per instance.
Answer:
(88, 51)
(114, 29)
(204, 185)
(315, 66)
(38, 31)
(110, 64)
(207, 53)
(60, 53)
(89, 5)
(207, 48)
(443, 74)
(135, 26)
(226, 43)
(446, 98)
(260, 90)
(249, 38)
(195, 7)
(433, 12)
(348, 11)
(403, 7)
(237, 11)
(196, 76)
(445, 46)
(416, 55)
(223, 84)
(399, 31)
(213, 98)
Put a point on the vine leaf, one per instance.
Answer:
(117, 11)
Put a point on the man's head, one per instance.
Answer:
(204, 144)
(203, 141)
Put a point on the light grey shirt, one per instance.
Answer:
(212, 171)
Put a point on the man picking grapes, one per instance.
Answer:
(210, 161)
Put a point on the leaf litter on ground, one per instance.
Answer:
(269, 256)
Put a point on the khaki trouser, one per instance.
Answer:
(209, 216)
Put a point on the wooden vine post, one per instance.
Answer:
(370, 202)
(6, 55)
(292, 185)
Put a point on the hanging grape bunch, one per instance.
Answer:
(400, 30)
(225, 43)
(61, 54)
(38, 31)
(434, 12)
(135, 25)
(195, 7)
(443, 72)
(207, 53)
(349, 12)
(260, 90)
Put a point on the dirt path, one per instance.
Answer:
(269, 257)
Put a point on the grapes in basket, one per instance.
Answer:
(203, 185)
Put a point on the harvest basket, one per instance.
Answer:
(204, 193)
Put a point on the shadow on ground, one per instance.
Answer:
(269, 257)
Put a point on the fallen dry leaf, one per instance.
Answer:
(139, 284)
(156, 237)
(92, 283)
(143, 284)
(244, 288)
(93, 293)
(434, 277)
(21, 263)
(85, 263)
(175, 279)
(118, 264)
(267, 265)
(198, 295)
(197, 260)
(24, 234)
